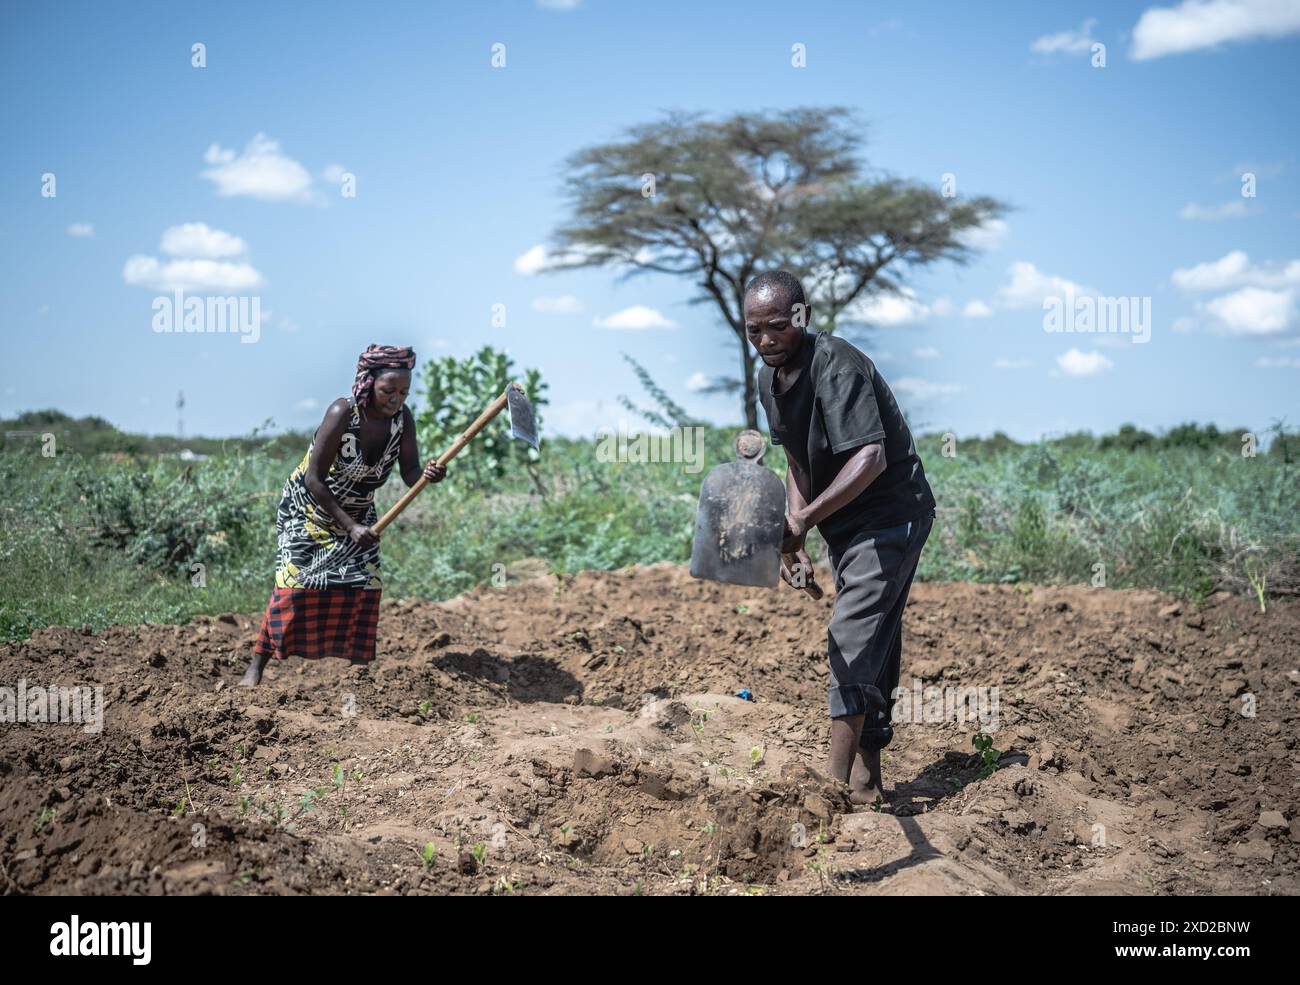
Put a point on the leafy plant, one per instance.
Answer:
(454, 392)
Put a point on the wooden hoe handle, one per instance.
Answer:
(466, 436)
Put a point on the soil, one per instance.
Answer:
(583, 735)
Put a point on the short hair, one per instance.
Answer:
(780, 280)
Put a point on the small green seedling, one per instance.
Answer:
(429, 854)
(989, 755)
(46, 816)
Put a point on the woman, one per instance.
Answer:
(327, 587)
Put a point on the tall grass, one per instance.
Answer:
(95, 540)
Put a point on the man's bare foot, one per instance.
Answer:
(866, 786)
(253, 676)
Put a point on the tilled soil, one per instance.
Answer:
(583, 735)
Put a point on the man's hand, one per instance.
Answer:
(802, 577)
(363, 536)
(796, 532)
(435, 472)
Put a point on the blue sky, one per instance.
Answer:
(1125, 181)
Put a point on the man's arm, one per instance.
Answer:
(862, 469)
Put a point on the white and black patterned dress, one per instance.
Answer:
(314, 551)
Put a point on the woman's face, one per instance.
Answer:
(391, 388)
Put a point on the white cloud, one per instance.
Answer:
(261, 172)
(1076, 363)
(198, 239)
(943, 307)
(925, 389)
(565, 304)
(81, 230)
(1197, 24)
(889, 308)
(1253, 311)
(189, 275)
(697, 382)
(1184, 324)
(977, 309)
(634, 319)
(1228, 210)
(1234, 269)
(1029, 287)
(1011, 363)
(989, 236)
(532, 261)
(926, 352)
(1278, 362)
(307, 403)
(333, 173)
(1068, 42)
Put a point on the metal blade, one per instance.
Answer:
(523, 424)
(739, 526)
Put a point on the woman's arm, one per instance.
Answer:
(325, 449)
(408, 455)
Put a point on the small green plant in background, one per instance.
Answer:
(44, 818)
(1256, 569)
(429, 854)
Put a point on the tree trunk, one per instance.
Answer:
(750, 390)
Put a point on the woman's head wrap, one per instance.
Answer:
(373, 362)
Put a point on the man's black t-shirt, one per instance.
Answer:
(837, 404)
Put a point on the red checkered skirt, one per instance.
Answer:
(320, 622)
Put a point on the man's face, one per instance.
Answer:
(771, 325)
(391, 388)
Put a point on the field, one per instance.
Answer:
(554, 705)
(581, 734)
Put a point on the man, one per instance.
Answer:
(854, 474)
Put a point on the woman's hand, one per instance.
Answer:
(435, 472)
(362, 535)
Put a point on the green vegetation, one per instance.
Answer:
(98, 538)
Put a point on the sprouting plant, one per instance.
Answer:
(309, 801)
(340, 777)
(45, 817)
(180, 807)
(429, 854)
(878, 803)
(237, 777)
(1257, 572)
(710, 827)
(480, 852)
(425, 707)
(989, 755)
(743, 609)
(756, 755)
(472, 717)
(244, 803)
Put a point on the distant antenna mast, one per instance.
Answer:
(180, 423)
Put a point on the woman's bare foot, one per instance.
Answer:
(253, 676)
(866, 786)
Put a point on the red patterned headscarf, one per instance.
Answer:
(374, 361)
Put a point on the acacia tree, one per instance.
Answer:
(717, 201)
